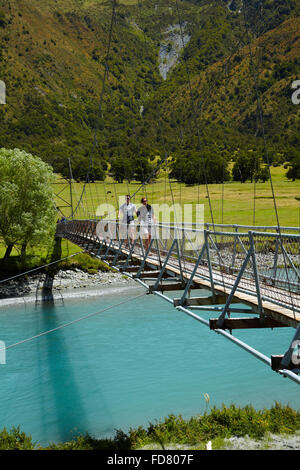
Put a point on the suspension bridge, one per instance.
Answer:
(228, 277)
(247, 277)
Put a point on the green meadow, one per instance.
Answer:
(231, 203)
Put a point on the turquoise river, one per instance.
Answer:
(126, 366)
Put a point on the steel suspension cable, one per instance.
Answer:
(266, 152)
(38, 268)
(105, 76)
(240, 43)
(200, 145)
(65, 325)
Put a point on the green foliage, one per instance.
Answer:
(27, 209)
(122, 167)
(119, 442)
(85, 262)
(2, 20)
(293, 172)
(54, 106)
(219, 423)
(54, 82)
(15, 265)
(249, 166)
(224, 422)
(15, 440)
(192, 167)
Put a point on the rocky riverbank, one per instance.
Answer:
(71, 280)
(269, 442)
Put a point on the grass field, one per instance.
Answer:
(238, 202)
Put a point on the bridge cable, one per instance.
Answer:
(38, 268)
(199, 141)
(156, 169)
(75, 191)
(90, 315)
(260, 111)
(102, 90)
(223, 191)
(111, 30)
(239, 43)
(95, 142)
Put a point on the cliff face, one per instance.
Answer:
(174, 41)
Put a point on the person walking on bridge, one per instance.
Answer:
(146, 218)
(128, 210)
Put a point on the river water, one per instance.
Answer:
(126, 366)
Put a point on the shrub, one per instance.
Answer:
(15, 440)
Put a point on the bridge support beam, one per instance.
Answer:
(143, 262)
(244, 323)
(229, 300)
(207, 300)
(189, 284)
(163, 269)
(118, 253)
(151, 274)
(129, 269)
(166, 287)
(289, 355)
(276, 365)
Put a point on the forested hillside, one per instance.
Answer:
(53, 60)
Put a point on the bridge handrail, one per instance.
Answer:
(209, 224)
(269, 261)
(186, 228)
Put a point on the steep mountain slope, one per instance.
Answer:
(53, 66)
(226, 93)
(53, 62)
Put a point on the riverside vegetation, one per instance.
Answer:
(216, 425)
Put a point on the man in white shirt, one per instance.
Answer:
(127, 226)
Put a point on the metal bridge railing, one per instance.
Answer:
(265, 263)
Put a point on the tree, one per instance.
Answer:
(249, 166)
(122, 167)
(27, 207)
(293, 172)
(192, 167)
(142, 168)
